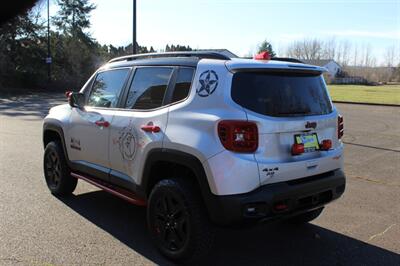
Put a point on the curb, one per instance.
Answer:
(376, 104)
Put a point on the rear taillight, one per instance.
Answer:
(297, 148)
(238, 136)
(326, 145)
(340, 127)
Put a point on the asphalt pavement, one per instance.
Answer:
(95, 228)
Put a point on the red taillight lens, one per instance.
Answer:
(297, 149)
(340, 127)
(238, 136)
(326, 144)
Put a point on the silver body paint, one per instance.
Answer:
(191, 126)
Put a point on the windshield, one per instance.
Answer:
(281, 94)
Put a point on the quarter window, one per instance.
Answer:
(107, 88)
(183, 83)
(148, 87)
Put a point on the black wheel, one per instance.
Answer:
(178, 221)
(306, 217)
(58, 178)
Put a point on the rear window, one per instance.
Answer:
(281, 94)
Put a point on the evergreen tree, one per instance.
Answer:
(77, 54)
(21, 51)
(73, 16)
(177, 47)
(266, 46)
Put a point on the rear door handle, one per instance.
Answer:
(151, 128)
(102, 123)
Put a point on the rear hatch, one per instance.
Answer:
(289, 106)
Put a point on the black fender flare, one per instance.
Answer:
(189, 161)
(57, 129)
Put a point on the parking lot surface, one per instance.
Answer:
(94, 228)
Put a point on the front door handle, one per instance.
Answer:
(102, 123)
(151, 128)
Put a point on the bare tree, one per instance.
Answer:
(355, 55)
(369, 61)
(346, 46)
(310, 49)
(390, 56)
(329, 49)
(294, 50)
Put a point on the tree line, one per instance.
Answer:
(343, 51)
(356, 60)
(75, 54)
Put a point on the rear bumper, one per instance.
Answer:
(278, 200)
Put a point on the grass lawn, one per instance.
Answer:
(368, 94)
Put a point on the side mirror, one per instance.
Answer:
(76, 99)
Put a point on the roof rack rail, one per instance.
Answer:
(198, 54)
(287, 59)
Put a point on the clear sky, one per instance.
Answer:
(240, 25)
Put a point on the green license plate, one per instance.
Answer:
(310, 141)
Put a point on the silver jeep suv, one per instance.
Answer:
(201, 139)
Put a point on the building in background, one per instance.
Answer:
(331, 65)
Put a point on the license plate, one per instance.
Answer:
(310, 141)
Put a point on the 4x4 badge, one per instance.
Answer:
(208, 82)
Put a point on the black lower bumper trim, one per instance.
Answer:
(278, 200)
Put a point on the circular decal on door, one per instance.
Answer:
(127, 142)
(208, 82)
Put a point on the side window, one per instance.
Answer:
(183, 83)
(148, 87)
(107, 88)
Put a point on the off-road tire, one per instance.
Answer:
(181, 230)
(56, 171)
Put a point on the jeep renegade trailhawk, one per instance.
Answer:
(200, 138)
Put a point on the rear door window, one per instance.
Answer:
(107, 88)
(281, 94)
(147, 90)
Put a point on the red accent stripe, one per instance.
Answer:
(119, 192)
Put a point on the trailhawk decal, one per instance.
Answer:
(208, 82)
(127, 141)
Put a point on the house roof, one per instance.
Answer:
(317, 62)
